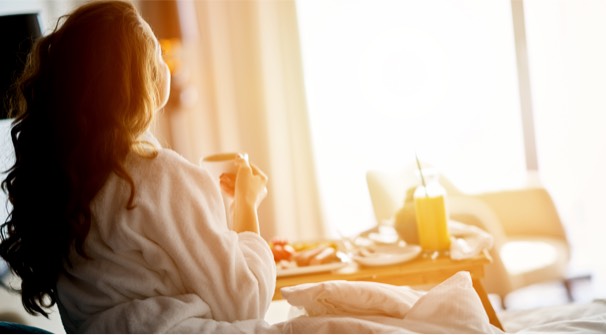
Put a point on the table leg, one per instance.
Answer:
(492, 315)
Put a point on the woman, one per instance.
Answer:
(123, 235)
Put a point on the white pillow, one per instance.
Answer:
(341, 297)
(453, 307)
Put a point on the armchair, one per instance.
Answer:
(530, 243)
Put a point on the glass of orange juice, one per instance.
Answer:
(432, 215)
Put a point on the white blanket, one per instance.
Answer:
(451, 307)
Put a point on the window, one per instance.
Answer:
(388, 79)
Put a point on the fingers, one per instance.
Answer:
(249, 183)
(247, 178)
(228, 183)
(242, 160)
(256, 171)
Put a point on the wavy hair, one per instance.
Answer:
(89, 90)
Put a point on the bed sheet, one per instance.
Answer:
(572, 318)
(583, 318)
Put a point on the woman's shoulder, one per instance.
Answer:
(168, 175)
(164, 169)
(165, 163)
(150, 155)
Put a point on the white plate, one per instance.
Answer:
(386, 255)
(299, 270)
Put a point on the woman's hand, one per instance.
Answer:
(249, 188)
(249, 184)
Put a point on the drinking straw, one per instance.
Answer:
(421, 173)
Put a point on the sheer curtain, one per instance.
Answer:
(567, 52)
(244, 63)
(242, 68)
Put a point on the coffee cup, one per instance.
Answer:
(221, 163)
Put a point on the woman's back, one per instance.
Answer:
(169, 259)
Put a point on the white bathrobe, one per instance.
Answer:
(170, 264)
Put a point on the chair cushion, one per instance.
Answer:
(533, 260)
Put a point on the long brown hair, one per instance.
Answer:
(89, 90)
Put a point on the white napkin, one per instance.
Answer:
(467, 241)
